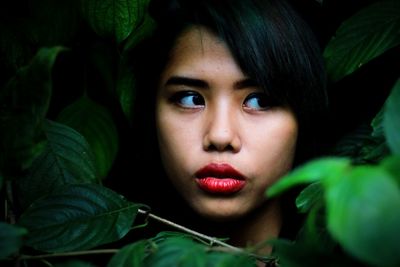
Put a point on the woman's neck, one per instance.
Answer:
(259, 226)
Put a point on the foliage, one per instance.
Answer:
(56, 150)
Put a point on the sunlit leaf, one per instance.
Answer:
(309, 197)
(78, 217)
(10, 239)
(114, 18)
(366, 35)
(391, 119)
(96, 124)
(23, 106)
(310, 172)
(67, 159)
(363, 211)
(131, 255)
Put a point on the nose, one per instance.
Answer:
(222, 130)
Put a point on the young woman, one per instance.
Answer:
(236, 92)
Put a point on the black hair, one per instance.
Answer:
(270, 42)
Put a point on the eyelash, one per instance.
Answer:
(263, 102)
(182, 97)
(178, 98)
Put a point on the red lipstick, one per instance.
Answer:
(220, 179)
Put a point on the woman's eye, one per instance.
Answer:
(188, 99)
(257, 101)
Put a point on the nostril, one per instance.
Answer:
(215, 147)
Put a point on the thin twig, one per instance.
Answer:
(210, 239)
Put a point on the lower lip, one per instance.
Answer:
(220, 185)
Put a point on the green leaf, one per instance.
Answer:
(74, 263)
(96, 124)
(66, 159)
(391, 119)
(313, 171)
(131, 255)
(114, 18)
(363, 214)
(225, 259)
(392, 165)
(78, 217)
(309, 197)
(178, 251)
(23, 106)
(10, 239)
(143, 30)
(366, 35)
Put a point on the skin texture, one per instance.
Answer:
(218, 119)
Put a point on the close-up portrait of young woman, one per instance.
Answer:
(162, 133)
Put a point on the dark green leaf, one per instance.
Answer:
(131, 255)
(178, 251)
(96, 124)
(114, 18)
(366, 35)
(310, 172)
(309, 197)
(391, 119)
(78, 217)
(10, 239)
(143, 30)
(74, 263)
(23, 106)
(363, 212)
(67, 159)
(225, 259)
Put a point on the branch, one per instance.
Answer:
(210, 239)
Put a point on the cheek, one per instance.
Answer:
(276, 152)
(176, 141)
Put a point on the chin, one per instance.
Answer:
(219, 213)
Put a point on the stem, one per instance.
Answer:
(69, 254)
(210, 239)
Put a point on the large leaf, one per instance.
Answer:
(313, 171)
(78, 217)
(95, 123)
(363, 209)
(364, 36)
(66, 159)
(391, 119)
(172, 249)
(114, 18)
(131, 255)
(23, 105)
(178, 251)
(10, 239)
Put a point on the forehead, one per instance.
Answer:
(199, 41)
(198, 50)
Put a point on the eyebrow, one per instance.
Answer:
(193, 82)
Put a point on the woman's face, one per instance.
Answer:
(221, 140)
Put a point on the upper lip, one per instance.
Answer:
(219, 170)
